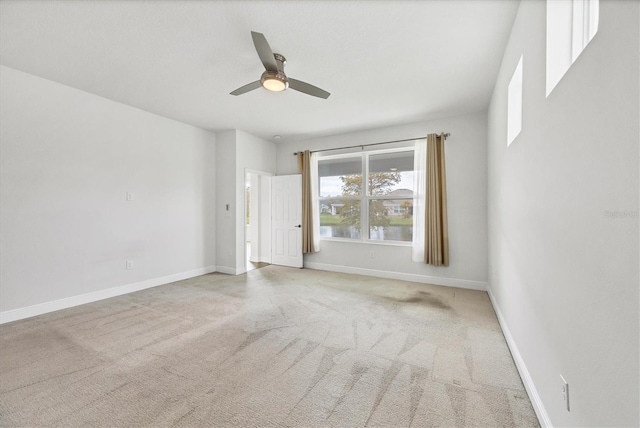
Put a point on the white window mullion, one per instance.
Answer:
(577, 33)
(593, 16)
(364, 205)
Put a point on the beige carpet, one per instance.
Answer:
(274, 347)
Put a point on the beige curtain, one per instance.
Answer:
(300, 156)
(436, 239)
(304, 166)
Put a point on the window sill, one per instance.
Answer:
(359, 241)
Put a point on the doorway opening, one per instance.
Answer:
(257, 209)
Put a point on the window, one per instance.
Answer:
(378, 208)
(571, 24)
(340, 197)
(514, 104)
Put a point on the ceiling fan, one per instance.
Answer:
(274, 79)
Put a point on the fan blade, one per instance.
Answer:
(308, 89)
(246, 88)
(264, 51)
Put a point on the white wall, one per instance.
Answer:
(564, 275)
(226, 195)
(67, 160)
(237, 151)
(467, 198)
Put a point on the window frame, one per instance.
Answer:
(365, 197)
(571, 25)
(515, 102)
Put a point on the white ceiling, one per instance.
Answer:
(384, 62)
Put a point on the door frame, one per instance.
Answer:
(244, 210)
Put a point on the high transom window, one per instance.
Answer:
(571, 25)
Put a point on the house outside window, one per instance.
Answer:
(367, 197)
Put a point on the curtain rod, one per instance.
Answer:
(372, 144)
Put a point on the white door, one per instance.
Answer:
(286, 220)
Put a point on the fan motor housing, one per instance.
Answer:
(281, 60)
(271, 76)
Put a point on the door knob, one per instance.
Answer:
(298, 225)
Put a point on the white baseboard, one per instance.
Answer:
(448, 282)
(69, 302)
(231, 270)
(538, 406)
(226, 270)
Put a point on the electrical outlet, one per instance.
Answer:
(128, 264)
(372, 254)
(564, 385)
(129, 196)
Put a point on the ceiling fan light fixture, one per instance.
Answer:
(274, 82)
(274, 79)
